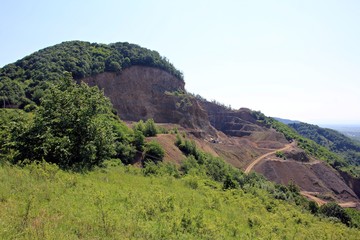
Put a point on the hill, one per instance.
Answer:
(285, 121)
(77, 128)
(24, 81)
(332, 140)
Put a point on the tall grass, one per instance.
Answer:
(41, 201)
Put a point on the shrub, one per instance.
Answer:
(334, 210)
(148, 128)
(153, 152)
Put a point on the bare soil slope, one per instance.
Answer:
(316, 177)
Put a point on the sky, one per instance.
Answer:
(298, 60)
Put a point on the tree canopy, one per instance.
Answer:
(73, 127)
(25, 80)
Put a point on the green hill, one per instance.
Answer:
(332, 140)
(62, 174)
(24, 81)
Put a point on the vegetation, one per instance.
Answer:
(332, 140)
(40, 201)
(74, 127)
(334, 210)
(148, 129)
(280, 154)
(354, 217)
(153, 152)
(204, 199)
(24, 82)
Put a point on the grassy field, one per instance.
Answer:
(118, 202)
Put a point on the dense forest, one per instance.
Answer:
(23, 82)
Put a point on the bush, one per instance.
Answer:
(148, 128)
(153, 152)
(334, 210)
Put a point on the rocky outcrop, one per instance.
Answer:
(352, 182)
(297, 155)
(142, 92)
(237, 123)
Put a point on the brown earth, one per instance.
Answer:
(310, 177)
(140, 92)
(235, 135)
(256, 161)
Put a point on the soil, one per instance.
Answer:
(235, 135)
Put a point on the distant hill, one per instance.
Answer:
(23, 82)
(286, 121)
(331, 139)
(351, 131)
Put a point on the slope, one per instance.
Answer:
(43, 202)
(332, 140)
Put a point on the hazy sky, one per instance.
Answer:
(291, 59)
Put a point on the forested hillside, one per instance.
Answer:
(24, 82)
(332, 140)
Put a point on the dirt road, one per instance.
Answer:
(320, 202)
(312, 197)
(256, 161)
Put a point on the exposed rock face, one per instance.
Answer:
(142, 92)
(237, 123)
(297, 155)
(352, 182)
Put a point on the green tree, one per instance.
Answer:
(150, 128)
(153, 152)
(332, 209)
(11, 92)
(139, 140)
(72, 128)
(139, 126)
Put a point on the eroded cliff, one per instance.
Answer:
(142, 92)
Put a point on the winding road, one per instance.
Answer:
(309, 195)
(256, 161)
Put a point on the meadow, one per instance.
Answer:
(41, 201)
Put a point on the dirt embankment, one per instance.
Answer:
(316, 177)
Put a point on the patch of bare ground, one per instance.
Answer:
(314, 196)
(172, 152)
(314, 177)
(242, 151)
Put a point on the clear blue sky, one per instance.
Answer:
(291, 59)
